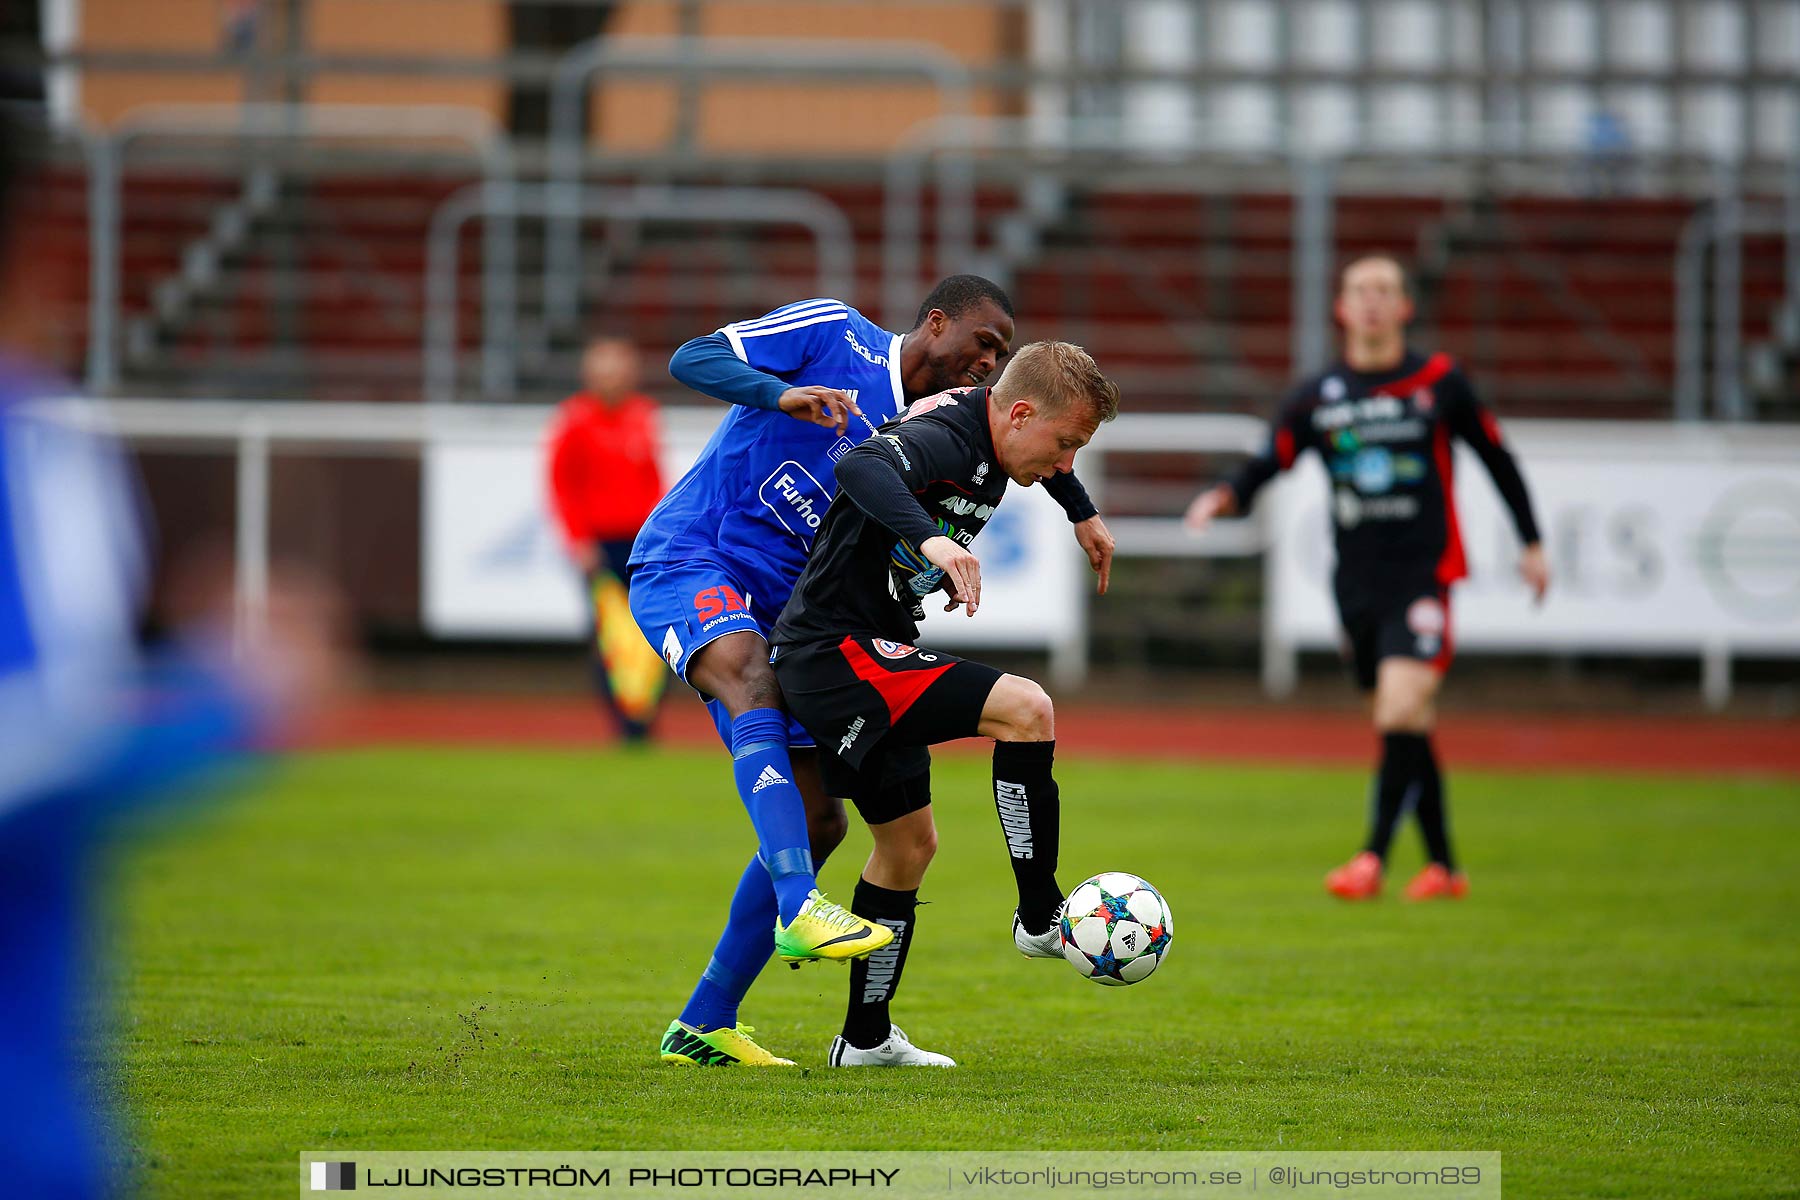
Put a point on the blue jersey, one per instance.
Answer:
(85, 728)
(758, 492)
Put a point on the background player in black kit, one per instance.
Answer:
(910, 501)
(1382, 418)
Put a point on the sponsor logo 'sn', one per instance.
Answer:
(713, 601)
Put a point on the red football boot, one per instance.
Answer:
(1358, 879)
(1438, 882)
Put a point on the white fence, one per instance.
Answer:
(1664, 539)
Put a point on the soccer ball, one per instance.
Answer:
(1116, 928)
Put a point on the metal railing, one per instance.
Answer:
(808, 59)
(1720, 230)
(106, 152)
(254, 431)
(1078, 150)
(251, 431)
(829, 228)
(947, 145)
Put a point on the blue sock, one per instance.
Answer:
(746, 944)
(759, 753)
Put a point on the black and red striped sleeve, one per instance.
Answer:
(1473, 422)
(1289, 434)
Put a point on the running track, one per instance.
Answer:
(1700, 746)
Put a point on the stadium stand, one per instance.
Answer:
(1564, 306)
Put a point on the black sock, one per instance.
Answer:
(1395, 785)
(1434, 821)
(875, 979)
(1031, 816)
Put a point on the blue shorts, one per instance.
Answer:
(686, 605)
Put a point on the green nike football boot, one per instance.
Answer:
(716, 1048)
(823, 931)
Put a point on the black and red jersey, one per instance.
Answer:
(929, 472)
(1385, 439)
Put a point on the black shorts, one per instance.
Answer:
(873, 706)
(1404, 622)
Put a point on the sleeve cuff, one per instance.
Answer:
(1068, 491)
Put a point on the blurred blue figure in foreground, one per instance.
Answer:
(88, 726)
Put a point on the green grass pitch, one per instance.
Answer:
(472, 949)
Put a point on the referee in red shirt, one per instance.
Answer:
(604, 480)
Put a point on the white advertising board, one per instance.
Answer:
(1661, 539)
(493, 564)
(494, 567)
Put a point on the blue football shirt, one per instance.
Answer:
(758, 492)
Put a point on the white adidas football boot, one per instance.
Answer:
(895, 1052)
